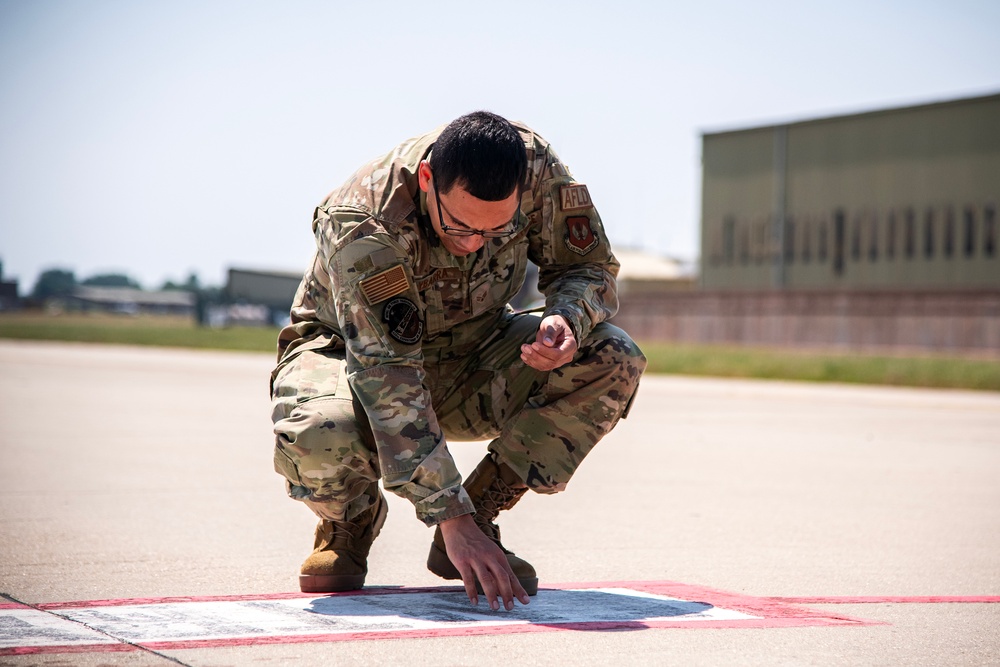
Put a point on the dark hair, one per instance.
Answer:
(483, 153)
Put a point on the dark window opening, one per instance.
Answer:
(821, 242)
(856, 238)
(744, 243)
(890, 235)
(789, 240)
(756, 241)
(764, 241)
(909, 234)
(970, 232)
(873, 237)
(759, 236)
(807, 231)
(729, 240)
(948, 247)
(929, 233)
(989, 232)
(839, 233)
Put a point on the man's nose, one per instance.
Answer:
(471, 243)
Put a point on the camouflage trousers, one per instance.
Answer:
(542, 424)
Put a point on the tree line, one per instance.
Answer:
(57, 283)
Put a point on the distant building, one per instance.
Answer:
(643, 272)
(132, 301)
(874, 231)
(894, 199)
(9, 299)
(270, 292)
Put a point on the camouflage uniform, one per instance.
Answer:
(395, 343)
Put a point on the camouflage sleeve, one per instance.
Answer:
(576, 268)
(377, 312)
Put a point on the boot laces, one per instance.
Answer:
(344, 533)
(500, 496)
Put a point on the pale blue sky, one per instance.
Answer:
(158, 138)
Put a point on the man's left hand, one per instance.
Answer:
(554, 345)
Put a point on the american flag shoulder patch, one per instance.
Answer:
(384, 285)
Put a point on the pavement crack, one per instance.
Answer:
(140, 647)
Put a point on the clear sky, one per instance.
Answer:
(161, 137)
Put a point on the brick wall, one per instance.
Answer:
(957, 322)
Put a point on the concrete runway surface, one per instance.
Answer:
(146, 473)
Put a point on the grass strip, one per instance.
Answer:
(740, 362)
(162, 331)
(681, 359)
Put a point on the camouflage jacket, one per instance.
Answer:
(382, 286)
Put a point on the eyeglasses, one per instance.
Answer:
(465, 231)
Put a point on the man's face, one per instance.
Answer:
(461, 211)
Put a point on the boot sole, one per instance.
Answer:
(330, 583)
(439, 563)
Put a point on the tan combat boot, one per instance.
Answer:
(492, 488)
(339, 561)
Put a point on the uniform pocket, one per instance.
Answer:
(307, 375)
(507, 273)
(434, 313)
(284, 467)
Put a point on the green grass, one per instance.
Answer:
(708, 360)
(135, 330)
(925, 371)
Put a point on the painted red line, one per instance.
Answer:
(777, 612)
(14, 605)
(892, 599)
(788, 622)
(770, 608)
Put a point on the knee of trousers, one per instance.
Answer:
(579, 404)
(321, 451)
(610, 357)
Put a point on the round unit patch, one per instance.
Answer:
(403, 318)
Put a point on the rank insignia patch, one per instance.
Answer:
(403, 319)
(574, 197)
(385, 285)
(580, 237)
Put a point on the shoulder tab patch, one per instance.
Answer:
(403, 319)
(364, 264)
(580, 237)
(385, 285)
(574, 197)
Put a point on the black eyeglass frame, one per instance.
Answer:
(488, 234)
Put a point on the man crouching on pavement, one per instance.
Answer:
(401, 338)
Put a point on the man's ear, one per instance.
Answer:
(424, 175)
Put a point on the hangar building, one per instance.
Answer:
(898, 198)
(873, 231)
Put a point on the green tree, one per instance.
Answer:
(54, 283)
(110, 280)
(191, 285)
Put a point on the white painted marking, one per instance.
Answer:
(352, 614)
(381, 613)
(29, 627)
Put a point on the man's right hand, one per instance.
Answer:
(476, 556)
